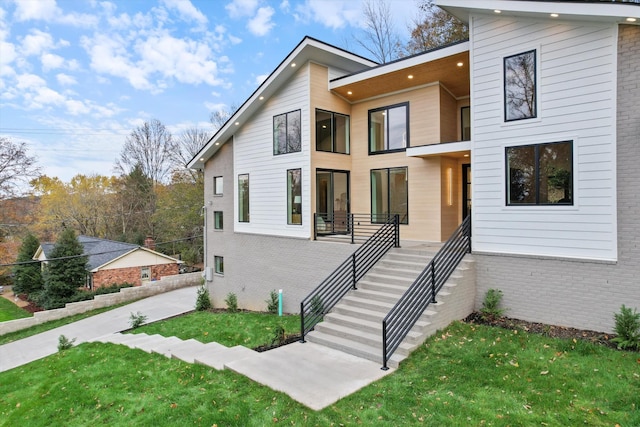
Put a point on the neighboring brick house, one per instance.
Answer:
(111, 262)
(534, 118)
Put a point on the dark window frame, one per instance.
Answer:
(215, 220)
(537, 147)
(535, 86)
(333, 132)
(218, 263)
(386, 130)
(240, 216)
(374, 220)
(291, 204)
(287, 144)
(215, 186)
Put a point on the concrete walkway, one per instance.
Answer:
(309, 373)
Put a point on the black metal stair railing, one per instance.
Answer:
(353, 227)
(344, 278)
(399, 321)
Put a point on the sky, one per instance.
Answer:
(77, 76)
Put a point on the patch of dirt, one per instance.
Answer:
(288, 340)
(544, 329)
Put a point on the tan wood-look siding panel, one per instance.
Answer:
(449, 117)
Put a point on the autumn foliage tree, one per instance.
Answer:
(434, 28)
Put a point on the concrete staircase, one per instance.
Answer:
(191, 351)
(355, 323)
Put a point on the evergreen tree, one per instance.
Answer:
(27, 277)
(63, 277)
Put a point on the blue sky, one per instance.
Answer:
(77, 76)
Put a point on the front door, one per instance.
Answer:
(332, 200)
(466, 191)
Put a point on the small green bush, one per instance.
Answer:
(232, 302)
(203, 302)
(272, 302)
(490, 310)
(136, 320)
(65, 343)
(627, 329)
(279, 335)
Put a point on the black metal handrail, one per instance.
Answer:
(344, 278)
(352, 227)
(399, 321)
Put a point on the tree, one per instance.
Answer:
(152, 148)
(16, 167)
(66, 271)
(27, 277)
(378, 36)
(189, 143)
(135, 204)
(435, 28)
(219, 117)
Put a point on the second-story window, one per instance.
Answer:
(520, 86)
(332, 132)
(287, 133)
(217, 186)
(389, 128)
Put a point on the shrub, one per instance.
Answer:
(317, 306)
(272, 302)
(65, 343)
(490, 310)
(203, 302)
(136, 320)
(627, 328)
(232, 302)
(279, 335)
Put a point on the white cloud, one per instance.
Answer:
(285, 6)
(242, 8)
(7, 53)
(65, 79)
(29, 82)
(51, 61)
(75, 107)
(261, 78)
(36, 42)
(234, 40)
(48, 10)
(187, 11)
(342, 13)
(261, 24)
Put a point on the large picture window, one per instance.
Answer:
(332, 132)
(540, 174)
(243, 198)
(286, 133)
(294, 196)
(389, 194)
(520, 86)
(389, 128)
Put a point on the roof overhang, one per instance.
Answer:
(448, 65)
(450, 149)
(309, 49)
(567, 10)
(139, 248)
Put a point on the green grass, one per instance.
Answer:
(247, 329)
(43, 327)
(467, 375)
(10, 311)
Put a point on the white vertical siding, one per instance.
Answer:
(253, 154)
(576, 101)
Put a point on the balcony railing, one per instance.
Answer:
(355, 228)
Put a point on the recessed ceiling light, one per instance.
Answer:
(554, 15)
(631, 19)
(237, 123)
(497, 11)
(202, 159)
(349, 93)
(460, 64)
(410, 76)
(261, 98)
(217, 143)
(293, 64)
(466, 155)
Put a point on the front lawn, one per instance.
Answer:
(465, 375)
(10, 311)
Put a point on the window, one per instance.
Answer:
(332, 132)
(520, 86)
(294, 196)
(389, 194)
(145, 274)
(217, 186)
(243, 198)
(540, 174)
(286, 133)
(465, 123)
(217, 220)
(219, 264)
(389, 128)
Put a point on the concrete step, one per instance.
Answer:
(359, 312)
(166, 346)
(373, 339)
(401, 264)
(356, 301)
(184, 351)
(383, 286)
(375, 295)
(403, 276)
(219, 358)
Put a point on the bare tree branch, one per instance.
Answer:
(16, 168)
(434, 28)
(379, 37)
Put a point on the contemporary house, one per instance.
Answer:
(111, 262)
(528, 129)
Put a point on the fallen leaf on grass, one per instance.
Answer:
(544, 372)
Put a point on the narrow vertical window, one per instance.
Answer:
(389, 194)
(243, 198)
(465, 123)
(219, 264)
(287, 136)
(217, 220)
(520, 86)
(145, 274)
(294, 196)
(217, 186)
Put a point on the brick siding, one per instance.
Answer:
(132, 275)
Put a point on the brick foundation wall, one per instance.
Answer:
(585, 294)
(131, 275)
